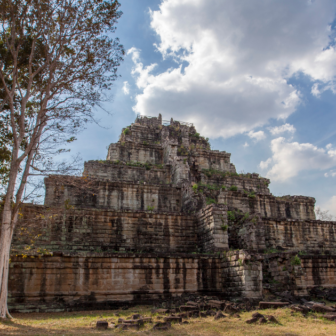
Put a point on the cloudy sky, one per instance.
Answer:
(256, 77)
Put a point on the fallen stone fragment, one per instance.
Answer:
(187, 308)
(216, 304)
(230, 309)
(203, 314)
(262, 320)
(185, 322)
(191, 303)
(138, 322)
(301, 309)
(236, 315)
(210, 313)
(183, 315)
(219, 315)
(173, 319)
(102, 325)
(136, 316)
(194, 313)
(322, 309)
(252, 320)
(127, 326)
(145, 320)
(272, 319)
(162, 326)
(120, 320)
(257, 315)
(265, 305)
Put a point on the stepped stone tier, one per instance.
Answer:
(165, 215)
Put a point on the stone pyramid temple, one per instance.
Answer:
(164, 216)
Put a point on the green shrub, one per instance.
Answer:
(150, 208)
(126, 131)
(224, 227)
(195, 187)
(271, 250)
(296, 261)
(231, 216)
(210, 201)
(233, 188)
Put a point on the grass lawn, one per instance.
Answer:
(83, 323)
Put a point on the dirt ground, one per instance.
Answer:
(83, 323)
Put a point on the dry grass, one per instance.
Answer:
(82, 323)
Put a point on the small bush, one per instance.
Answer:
(271, 250)
(126, 131)
(150, 208)
(195, 187)
(210, 201)
(233, 188)
(231, 216)
(224, 227)
(296, 261)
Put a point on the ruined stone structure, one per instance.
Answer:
(162, 216)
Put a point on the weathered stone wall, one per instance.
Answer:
(255, 184)
(247, 234)
(100, 281)
(135, 152)
(300, 235)
(120, 172)
(298, 273)
(212, 228)
(113, 195)
(106, 231)
(214, 159)
(241, 275)
(141, 134)
(291, 207)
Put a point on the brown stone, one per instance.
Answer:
(322, 309)
(173, 319)
(162, 326)
(102, 325)
(252, 320)
(265, 305)
(219, 315)
(272, 319)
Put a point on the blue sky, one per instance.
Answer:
(256, 77)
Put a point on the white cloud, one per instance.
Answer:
(246, 145)
(331, 173)
(126, 88)
(265, 164)
(289, 158)
(330, 206)
(281, 129)
(315, 90)
(237, 57)
(260, 135)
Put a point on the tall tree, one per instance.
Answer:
(57, 58)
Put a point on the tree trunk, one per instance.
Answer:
(5, 244)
